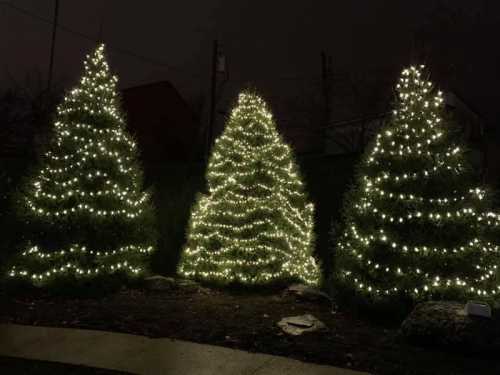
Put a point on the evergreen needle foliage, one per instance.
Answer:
(415, 223)
(86, 212)
(255, 224)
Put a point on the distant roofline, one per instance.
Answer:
(470, 108)
(167, 85)
(382, 115)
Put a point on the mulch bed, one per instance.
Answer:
(248, 321)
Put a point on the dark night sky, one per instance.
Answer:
(264, 41)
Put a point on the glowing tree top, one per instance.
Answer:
(255, 225)
(86, 207)
(415, 223)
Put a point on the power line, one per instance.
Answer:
(147, 59)
(79, 34)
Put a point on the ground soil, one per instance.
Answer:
(248, 321)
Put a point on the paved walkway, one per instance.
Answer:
(142, 355)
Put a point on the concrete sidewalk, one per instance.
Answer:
(142, 355)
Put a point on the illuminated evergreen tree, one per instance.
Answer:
(415, 224)
(255, 225)
(85, 207)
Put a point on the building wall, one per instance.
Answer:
(345, 137)
(162, 122)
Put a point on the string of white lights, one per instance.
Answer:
(254, 225)
(382, 213)
(90, 173)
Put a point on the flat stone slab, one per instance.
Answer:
(297, 325)
(143, 355)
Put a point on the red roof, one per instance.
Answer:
(164, 126)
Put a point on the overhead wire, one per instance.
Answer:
(141, 57)
(112, 47)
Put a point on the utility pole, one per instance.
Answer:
(326, 85)
(213, 91)
(53, 46)
(326, 75)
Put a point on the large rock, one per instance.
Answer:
(446, 324)
(308, 293)
(160, 283)
(188, 285)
